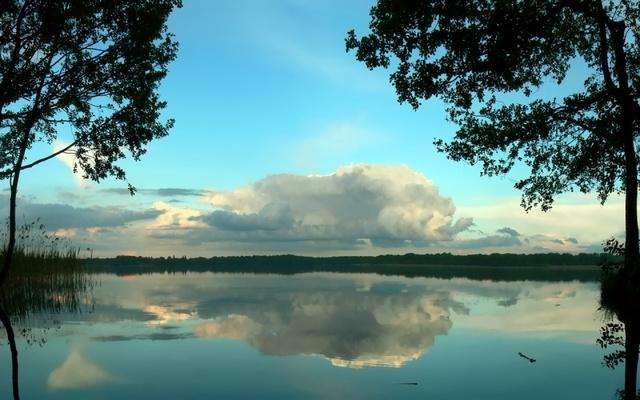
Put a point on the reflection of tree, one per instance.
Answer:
(42, 283)
(6, 323)
(619, 299)
(44, 286)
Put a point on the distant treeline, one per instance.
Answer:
(547, 266)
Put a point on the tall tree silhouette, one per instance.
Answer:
(468, 52)
(89, 67)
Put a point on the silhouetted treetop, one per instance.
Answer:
(469, 52)
(82, 76)
(90, 68)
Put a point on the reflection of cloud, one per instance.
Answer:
(164, 315)
(353, 329)
(77, 372)
(353, 320)
(233, 326)
(151, 336)
(561, 294)
(377, 361)
(544, 309)
(508, 302)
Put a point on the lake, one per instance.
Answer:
(317, 335)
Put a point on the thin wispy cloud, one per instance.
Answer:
(58, 216)
(336, 141)
(160, 192)
(279, 32)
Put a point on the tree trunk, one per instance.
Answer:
(632, 250)
(632, 340)
(15, 179)
(629, 272)
(6, 266)
(6, 322)
(631, 261)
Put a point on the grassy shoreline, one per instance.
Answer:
(44, 279)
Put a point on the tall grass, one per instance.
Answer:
(46, 276)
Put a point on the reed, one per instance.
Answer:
(47, 276)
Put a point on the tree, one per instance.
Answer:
(471, 52)
(91, 67)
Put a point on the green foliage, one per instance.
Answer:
(612, 336)
(618, 293)
(89, 67)
(616, 290)
(470, 52)
(620, 394)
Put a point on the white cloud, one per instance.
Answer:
(57, 216)
(572, 217)
(172, 216)
(77, 372)
(509, 240)
(357, 210)
(383, 204)
(69, 160)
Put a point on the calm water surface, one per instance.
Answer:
(227, 336)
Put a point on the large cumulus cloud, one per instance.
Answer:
(377, 204)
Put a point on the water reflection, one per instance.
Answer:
(351, 320)
(34, 294)
(78, 372)
(386, 326)
(361, 323)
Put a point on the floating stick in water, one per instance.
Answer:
(531, 360)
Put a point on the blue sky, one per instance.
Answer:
(255, 81)
(262, 88)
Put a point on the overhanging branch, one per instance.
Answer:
(10, 171)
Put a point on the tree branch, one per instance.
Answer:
(604, 57)
(10, 171)
(50, 156)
